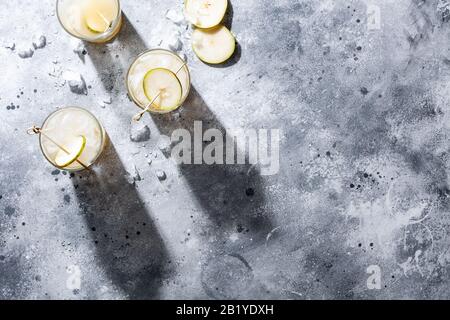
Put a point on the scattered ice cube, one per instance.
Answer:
(136, 176)
(443, 9)
(164, 144)
(25, 54)
(175, 16)
(76, 82)
(105, 101)
(10, 45)
(56, 71)
(183, 56)
(39, 42)
(140, 133)
(130, 179)
(161, 175)
(174, 43)
(80, 50)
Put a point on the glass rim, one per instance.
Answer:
(103, 137)
(91, 39)
(167, 51)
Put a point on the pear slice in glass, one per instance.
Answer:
(98, 15)
(74, 150)
(164, 87)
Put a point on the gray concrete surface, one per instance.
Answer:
(365, 119)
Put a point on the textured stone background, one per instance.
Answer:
(365, 118)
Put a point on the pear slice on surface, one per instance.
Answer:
(214, 45)
(205, 13)
(75, 148)
(165, 83)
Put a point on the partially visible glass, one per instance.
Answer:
(60, 128)
(151, 60)
(95, 21)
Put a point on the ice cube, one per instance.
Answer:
(172, 39)
(107, 100)
(104, 101)
(443, 9)
(161, 175)
(165, 144)
(39, 42)
(77, 123)
(9, 45)
(136, 176)
(88, 153)
(183, 56)
(175, 44)
(175, 16)
(26, 53)
(76, 82)
(140, 133)
(80, 50)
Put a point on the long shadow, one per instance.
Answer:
(128, 244)
(228, 19)
(234, 59)
(112, 65)
(231, 195)
(228, 22)
(230, 62)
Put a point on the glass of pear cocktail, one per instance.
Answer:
(158, 81)
(90, 20)
(71, 138)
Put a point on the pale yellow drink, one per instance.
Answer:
(63, 127)
(90, 20)
(152, 60)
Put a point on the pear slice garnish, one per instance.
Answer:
(71, 152)
(163, 87)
